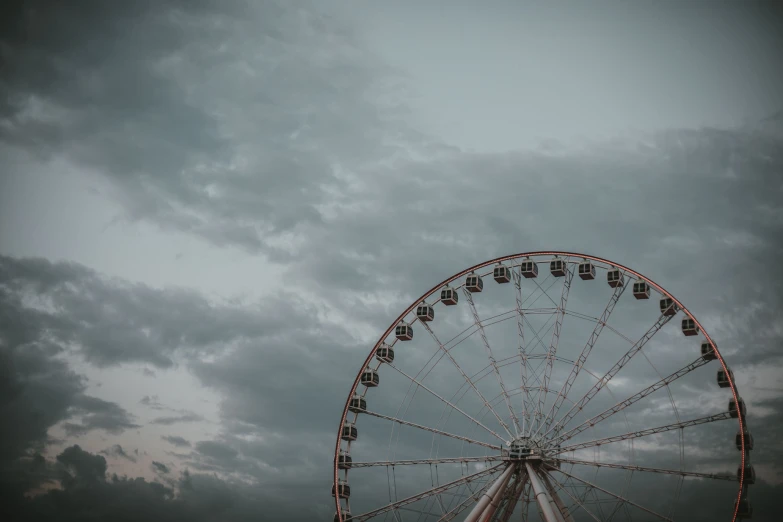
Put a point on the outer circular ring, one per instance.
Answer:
(650, 282)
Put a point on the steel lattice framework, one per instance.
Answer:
(524, 433)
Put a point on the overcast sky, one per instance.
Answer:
(209, 212)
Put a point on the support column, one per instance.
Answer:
(488, 495)
(495, 502)
(558, 502)
(543, 499)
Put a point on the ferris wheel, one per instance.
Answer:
(530, 394)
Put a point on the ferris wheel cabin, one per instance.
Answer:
(614, 278)
(668, 306)
(558, 267)
(707, 351)
(734, 411)
(425, 312)
(349, 432)
(744, 508)
(341, 489)
(370, 378)
(344, 460)
(501, 273)
(449, 296)
(689, 327)
(474, 283)
(403, 332)
(641, 290)
(529, 269)
(357, 404)
(750, 474)
(385, 353)
(725, 379)
(748, 438)
(586, 271)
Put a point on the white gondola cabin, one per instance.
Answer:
(346, 516)
(341, 489)
(723, 378)
(358, 404)
(641, 290)
(349, 432)
(668, 306)
(689, 327)
(370, 378)
(529, 269)
(558, 267)
(501, 273)
(707, 352)
(614, 277)
(586, 270)
(474, 283)
(734, 411)
(750, 474)
(344, 460)
(403, 332)
(449, 296)
(425, 312)
(745, 434)
(385, 353)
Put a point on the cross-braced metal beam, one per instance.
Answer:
(592, 392)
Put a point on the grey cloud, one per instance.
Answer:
(159, 467)
(98, 414)
(117, 451)
(176, 419)
(265, 121)
(94, 314)
(177, 441)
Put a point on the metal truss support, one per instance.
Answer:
(489, 495)
(558, 502)
(545, 502)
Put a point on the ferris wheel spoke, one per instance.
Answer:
(631, 400)
(577, 501)
(618, 497)
(467, 379)
(454, 407)
(426, 494)
(517, 275)
(643, 433)
(444, 460)
(592, 392)
(580, 362)
(431, 430)
(492, 360)
(716, 476)
(552, 350)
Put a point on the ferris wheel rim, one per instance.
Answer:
(680, 306)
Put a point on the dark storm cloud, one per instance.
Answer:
(208, 108)
(175, 440)
(113, 321)
(98, 414)
(87, 493)
(39, 390)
